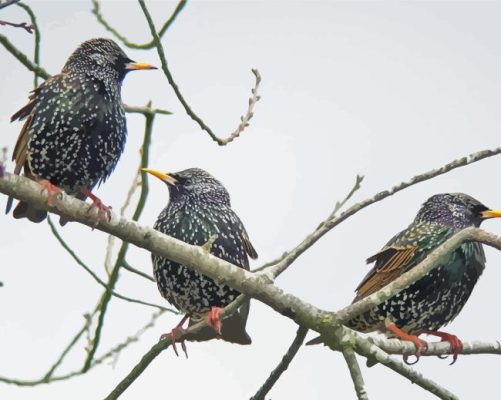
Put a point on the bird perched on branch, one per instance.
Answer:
(75, 126)
(199, 213)
(436, 299)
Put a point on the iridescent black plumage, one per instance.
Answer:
(199, 208)
(438, 297)
(75, 127)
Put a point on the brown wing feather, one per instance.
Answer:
(391, 262)
(249, 248)
(20, 154)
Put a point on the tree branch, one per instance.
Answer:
(433, 260)
(332, 221)
(77, 259)
(114, 351)
(22, 58)
(244, 120)
(355, 372)
(149, 118)
(283, 365)
(37, 38)
(8, 3)
(255, 285)
(97, 12)
(164, 344)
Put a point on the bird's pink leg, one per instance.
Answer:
(96, 202)
(214, 320)
(172, 335)
(52, 190)
(419, 343)
(453, 340)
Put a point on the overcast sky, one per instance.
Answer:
(386, 90)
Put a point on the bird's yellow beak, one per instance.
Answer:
(134, 66)
(491, 214)
(160, 175)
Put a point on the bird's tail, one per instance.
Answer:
(25, 210)
(317, 340)
(232, 330)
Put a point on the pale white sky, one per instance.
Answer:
(387, 90)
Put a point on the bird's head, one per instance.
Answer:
(102, 58)
(457, 210)
(194, 183)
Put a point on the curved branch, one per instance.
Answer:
(356, 374)
(256, 285)
(283, 365)
(144, 46)
(94, 275)
(23, 58)
(244, 120)
(333, 221)
(164, 344)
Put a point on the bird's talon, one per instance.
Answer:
(406, 360)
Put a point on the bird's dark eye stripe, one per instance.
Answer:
(479, 208)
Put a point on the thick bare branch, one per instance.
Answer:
(433, 260)
(255, 285)
(373, 352)
(355, 372)
(396, 346)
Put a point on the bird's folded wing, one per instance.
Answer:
(391, 262)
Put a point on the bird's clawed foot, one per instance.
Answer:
(453, 340)
(172, 335)
(213, 317)
(420, 344)
(52, 191)
(97, 203)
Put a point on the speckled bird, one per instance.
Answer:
(438, 297)
(199, 208)
(75, 128)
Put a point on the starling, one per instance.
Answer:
(75, 126)
(437, 298)
(199, 210)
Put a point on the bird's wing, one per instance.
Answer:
(19, 154)
(402, 253)
(391, 262)
(249, 248)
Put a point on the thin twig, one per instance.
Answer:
(79, 261)
(164, 344)
(96, 10)
(280, 265)
(130, 268)
(23, 25)
(113, 352)
(373, 352)
(8, 3)
(244, 120)
(355, 372)
(37, 38)
(149, 118)
(283, 365)
(332, 222)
